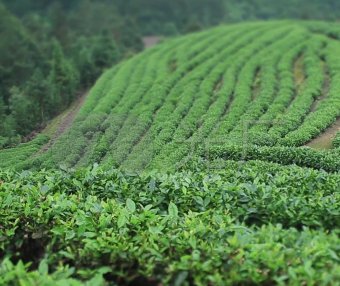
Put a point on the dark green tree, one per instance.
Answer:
(105, 51)
(63, 80)
(170, 29)
(38, 91)
(82, 51)
(129, 36)
(19, 54)
(93, 54)
(23, 111)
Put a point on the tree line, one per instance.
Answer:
(48, 57)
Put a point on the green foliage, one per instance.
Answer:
(19, 54)
(244, 223)
(93, 55)
(44, 63)
(85, 50)
(63, 79)
(336, 141)
(262, 88)
(78, 28)
(18, 157)
(326, 160)
(252, 93)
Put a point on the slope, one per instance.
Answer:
(268, 84)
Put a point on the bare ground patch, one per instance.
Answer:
(299, 73)
(151, 41)
(324, 140)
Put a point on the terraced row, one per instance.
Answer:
(254, 84)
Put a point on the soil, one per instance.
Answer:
(151, 41)
(324, 140)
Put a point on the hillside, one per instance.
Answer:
(54, 50)
(187, 164)
(257, 84)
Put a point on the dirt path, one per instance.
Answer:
(151, 41)
(324, 140)
(299, 73)
(63, 122)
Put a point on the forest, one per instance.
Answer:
(55, 50)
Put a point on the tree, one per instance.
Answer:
(82, 54)
(93, 54)
(23, 111)
(38, 91)
(19, 54)
(63, 80)
(129, 36)
(170, 29)
(105, 51)
(2, 119)
(193, 25)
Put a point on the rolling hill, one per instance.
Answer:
(188, 164)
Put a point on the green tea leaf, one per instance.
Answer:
(122, 220)
(43, 267)
(173, 210)
(130, 205)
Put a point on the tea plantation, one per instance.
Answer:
(188, 165)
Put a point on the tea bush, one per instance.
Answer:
(259, 84)
(251, 223)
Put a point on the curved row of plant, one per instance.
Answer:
(328, 160)
(235, 84)
(276, 72)
(328, 109)
(245, 63)
(167, 111)
(187, 117)
(12, 157)
(112, 112)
